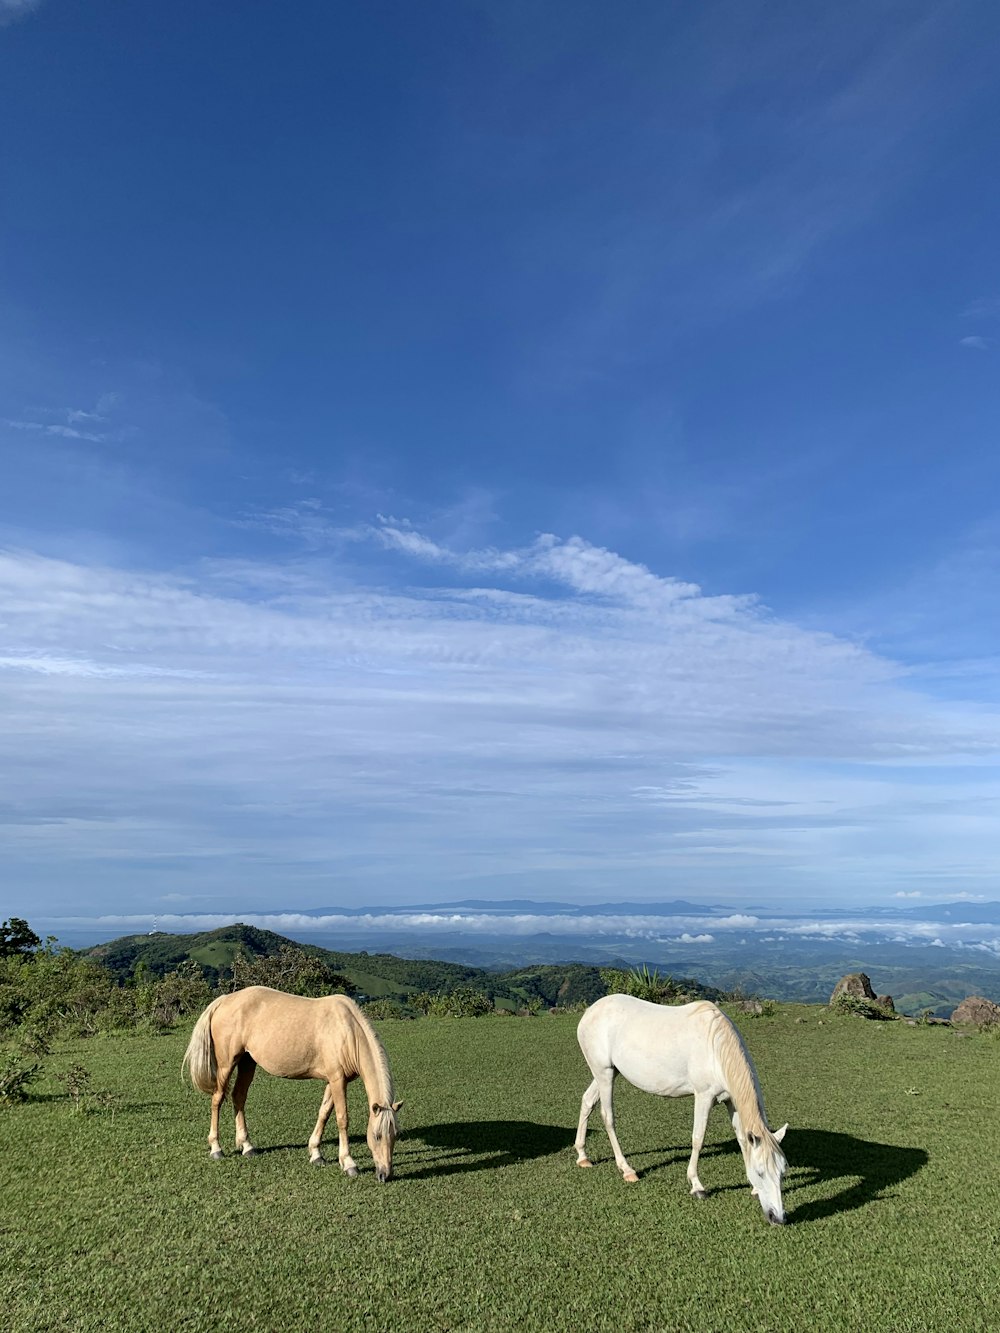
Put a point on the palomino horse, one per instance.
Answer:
(295, 1037)
(675, 1051)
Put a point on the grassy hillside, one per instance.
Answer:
(116, 1217)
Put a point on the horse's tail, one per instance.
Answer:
(199, 1058)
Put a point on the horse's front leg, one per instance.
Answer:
(316, 1138)
(741, 1139)
(340, 1102)
(702, 1106)
(335, 1097)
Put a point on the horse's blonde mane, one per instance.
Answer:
(740, 1076)
(376, 1052)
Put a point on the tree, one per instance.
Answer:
(290, 969)
(17, 939)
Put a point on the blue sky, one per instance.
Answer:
(497, 449)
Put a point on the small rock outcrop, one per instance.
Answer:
(979, 1012)
(854, 983)
(886, 1002)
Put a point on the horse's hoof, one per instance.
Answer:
(249, 1152)
(317, 1161)
(585, 1161)
(351, 1171)
(217, 1156)
(699, 1194)
(630, 1177)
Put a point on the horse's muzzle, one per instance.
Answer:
(382, 1175)
(775, 1219)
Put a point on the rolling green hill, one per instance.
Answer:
(376, 975)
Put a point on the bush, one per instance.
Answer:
(290, 969)
(462, 1002)
(861, 1007)
(16, 1072)
(379, 1009)
(643, 984)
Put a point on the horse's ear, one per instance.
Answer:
(754, 1140)
(376, 1108)
(396, 1105)
(779, 1134)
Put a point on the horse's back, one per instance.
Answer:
(288, 1035)
(663, 1049)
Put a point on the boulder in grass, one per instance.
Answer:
(978, 1012)
(886, 1002)
(854, 983)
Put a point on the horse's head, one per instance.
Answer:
(766, 1165)
(382, 1131)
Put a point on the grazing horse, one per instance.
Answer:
(295, 1037)
(675, 1051)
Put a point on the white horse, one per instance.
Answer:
(676, 1051)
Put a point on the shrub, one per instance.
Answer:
(643, 984)
(16, 1072)
(859, 1005)
(77, 1081)
(290, 969)
(379, 1009)
(462, 1002)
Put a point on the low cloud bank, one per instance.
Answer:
(682, 929)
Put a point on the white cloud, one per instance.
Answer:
(54, 428)
(986, 307)
(12, 10)
(561, 717)
(976, 341)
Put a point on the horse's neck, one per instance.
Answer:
(740, 1079)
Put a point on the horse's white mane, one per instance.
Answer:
(741, 1077)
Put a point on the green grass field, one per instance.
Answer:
(115, 1218)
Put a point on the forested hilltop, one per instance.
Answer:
(370, 976)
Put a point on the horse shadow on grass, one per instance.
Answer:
(870, 1171)
(460, 1146)
(477, 1145)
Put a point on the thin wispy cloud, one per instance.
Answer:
(54, 428)
(986, 307)
(12, 10)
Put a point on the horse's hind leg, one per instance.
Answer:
(218, 1097)
(586, 1106)
(702, 1106)
(246, 1069)
(605, 1081)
